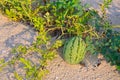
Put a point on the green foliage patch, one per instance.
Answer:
(109, 46)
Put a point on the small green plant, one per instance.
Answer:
(103, 7)
(74, 50)
(17, 76)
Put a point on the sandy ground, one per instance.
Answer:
(12, 34)
(59, 70)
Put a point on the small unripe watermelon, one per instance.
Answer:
(74, 50)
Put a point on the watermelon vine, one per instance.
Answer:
(62, 19)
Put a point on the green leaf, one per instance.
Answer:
(17, 76)
(41, 73)
(27, 63)
(118, 67)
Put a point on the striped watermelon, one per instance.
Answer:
(74, 50)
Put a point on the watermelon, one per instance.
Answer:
(74, 50)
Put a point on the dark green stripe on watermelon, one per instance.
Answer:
(74, 50)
